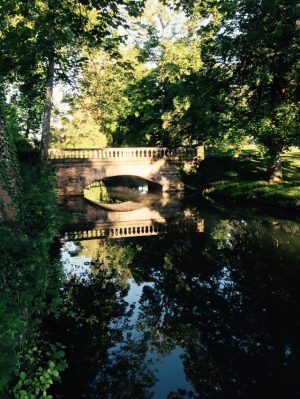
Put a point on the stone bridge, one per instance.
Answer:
(78, 168)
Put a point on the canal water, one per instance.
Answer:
(181, 298)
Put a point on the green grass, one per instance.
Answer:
(244, 177)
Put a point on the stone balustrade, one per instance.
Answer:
(124, 153)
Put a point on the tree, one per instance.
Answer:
(102, 99)
(260, 42)
(160, 99)
(52, 33)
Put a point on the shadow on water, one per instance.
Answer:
(181, 314)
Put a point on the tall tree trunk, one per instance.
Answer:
(275, 168)
(48, 107)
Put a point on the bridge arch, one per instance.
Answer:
(132, 181)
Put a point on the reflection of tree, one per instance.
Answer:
(104, 361)
(233, 307)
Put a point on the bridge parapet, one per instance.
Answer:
(124, 153)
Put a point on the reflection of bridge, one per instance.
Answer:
(77, 168)
(135, 229)
(164, 216)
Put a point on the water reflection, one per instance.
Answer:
(123, 193)
(166, 214)
(184, 314)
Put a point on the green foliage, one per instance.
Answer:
(80, 131)
(244, 178)
(9, 168)
(102, 99)
(184, 98)
(35, 382)
(260, 41)
(30, 278)
(44, 36)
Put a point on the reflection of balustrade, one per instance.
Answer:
(180, 153)
(137, 230)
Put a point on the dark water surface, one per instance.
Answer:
(205, 304)
(176, 298)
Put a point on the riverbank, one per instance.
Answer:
(29, 286)
(243, 178)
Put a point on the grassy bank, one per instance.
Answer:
(244, 178)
